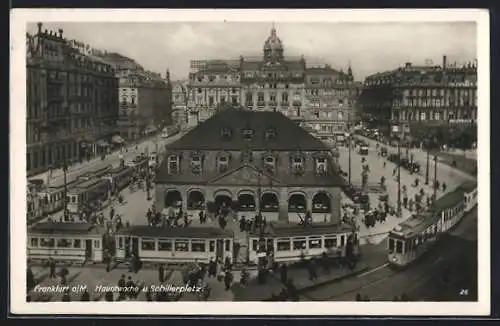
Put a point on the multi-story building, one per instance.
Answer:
(145, 104)
(180, 104)
(251, 161)
(72, 102)
(320, 98)
(423, 95)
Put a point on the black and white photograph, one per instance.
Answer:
(239, 158)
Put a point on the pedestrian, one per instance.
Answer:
(212, 268)
(283, 273)
(130, 286)
(228, 278)
(358, 297)
(85, 296)
(108, 296)
(30, 279)
(444, 187)
(66, 297)
(161, 273)
(312, 270)
(121, 288)
(52, 268)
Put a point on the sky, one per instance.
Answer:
(369, 47)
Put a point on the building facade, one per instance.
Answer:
(180, 116)
(320, 98)
(423, 95)
(72, 102)
(250, 161)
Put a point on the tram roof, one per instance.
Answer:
(176, 232)
(64, 228)
(449, 199)
(291, 230)
(88, 183)
(416, 224)
(120, 169)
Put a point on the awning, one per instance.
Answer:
(102, 143)
(117, 139)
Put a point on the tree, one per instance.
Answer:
(227, 106)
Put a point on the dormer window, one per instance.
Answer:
(270, 134)
(226, 134)
(270, 164)
(298, 165)
(222, 164)
(173, 164)
(247, 134)
(196, 164)
(321, 165)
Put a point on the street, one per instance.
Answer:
(424, 280)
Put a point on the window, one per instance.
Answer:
(391, 245)
(181, 245)
(148, 244)
(260, 97)
(173, 164)
(164, 245)
(321, 165)
(211, 246)
(298, 165)
(283, 244)
(315, 243)
(226, 134)
(270, 163)
(63, 243)
(255, 245)
(299, 244)
(132, 99)
(284, 97)
(223, 164)
(331, 242)
(211, 78)
(196, 164)
(247, 134)
(228, 245)
(399, 247)
(270, 134)
(48, 243)
(198, 246)
(97, 244)
(34, 242)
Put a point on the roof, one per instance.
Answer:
(289, 136)
(277, 229)
(416, 224)
(86, 184)
(469, 185)
(64, 228)
(177, 232)
(284, 64)
(322, 71)
(449, 199)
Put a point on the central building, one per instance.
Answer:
(252, 162)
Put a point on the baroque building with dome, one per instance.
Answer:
(320, 98)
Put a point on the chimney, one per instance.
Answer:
(60, 30)
(39, 27)
(444, 62)
(408, 65)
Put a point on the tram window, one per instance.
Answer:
(97, 244)
(181, 245)
(34, 242)
(342, 240)
(283, 245)
(391, 245)
(331, 242)
(299, 244)
(211, 246)
(147, 244)
(164, 245)
(228, 245)
(63, 243)
(49, 243)
(120, 242)
(255, 245)
(315, 243)
(399, 247)
(198, 246)
(77, 243)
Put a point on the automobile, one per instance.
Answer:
(383, 151)
(363, 150)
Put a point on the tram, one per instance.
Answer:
(52, 197)
(65, 242)
(412, 238)
(176, 245)
(290, 243)
(96, 173)
(85, 193)
(120, 177)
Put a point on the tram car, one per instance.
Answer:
(285, 242)
(173, 245)
(120, 177)
(363, 150)
(99, 172)
(52, 197)
(65, 242)
(87, 192)
(412, 238)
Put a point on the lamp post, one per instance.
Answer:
(427, 164)
(435, 176)
(65, 171)
(399, 177)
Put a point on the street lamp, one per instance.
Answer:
(427, 162)
(65, 171)
(435, 176)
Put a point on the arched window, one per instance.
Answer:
(173, 198)
(269, 202)
(195, 200)
(321, 203)
(246, 203)
(297, 203)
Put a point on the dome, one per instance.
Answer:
(273, 42)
